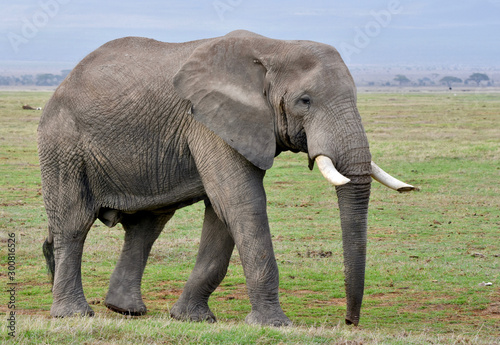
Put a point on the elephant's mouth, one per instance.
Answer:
(331, 174)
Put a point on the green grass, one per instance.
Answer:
(428, 251)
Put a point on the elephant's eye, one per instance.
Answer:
(306, 100)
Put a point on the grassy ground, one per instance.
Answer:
(429, 252)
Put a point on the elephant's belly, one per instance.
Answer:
(136, 184)
(172, 198)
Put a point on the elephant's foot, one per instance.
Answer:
(271, 317)
(192, 312)
(76, 308)
(125, 304)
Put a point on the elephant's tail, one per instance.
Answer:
(48, 252)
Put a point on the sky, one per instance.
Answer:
(59, 33)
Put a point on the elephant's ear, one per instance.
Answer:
(225, 81)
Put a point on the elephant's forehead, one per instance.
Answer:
(316, 62)
(324, 79)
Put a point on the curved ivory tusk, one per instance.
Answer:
(328, 170)
(389, 181)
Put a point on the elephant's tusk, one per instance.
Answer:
(389, 181)
(328, 170)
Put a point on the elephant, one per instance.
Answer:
(141, 128)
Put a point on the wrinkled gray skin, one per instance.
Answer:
(141, 128)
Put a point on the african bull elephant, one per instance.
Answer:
(141, 128)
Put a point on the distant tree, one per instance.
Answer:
(478, 78)
(5, 80)
(27, 79)
(48, 79)
(450, 80)
(64, 73)
(44, 79)
(425, 81)
(402, 79)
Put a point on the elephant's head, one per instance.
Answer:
(264, 96)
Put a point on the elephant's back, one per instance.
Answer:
(118, 112)
(123, 79)
(132, 60)
(122, 70)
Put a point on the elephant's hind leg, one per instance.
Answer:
(216, 247)
(68, 228)
(141, 231)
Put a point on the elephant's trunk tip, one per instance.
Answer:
(352, 321)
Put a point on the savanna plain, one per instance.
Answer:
(431, 253)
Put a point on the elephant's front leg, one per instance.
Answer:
(235, 189)
(252, 236)
(141, 231)
(216, 247)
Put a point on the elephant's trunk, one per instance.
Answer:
(353, 204)
(342, 140)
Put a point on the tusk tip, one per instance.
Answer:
(328, 170)
(407, 189)
(344, 181)
(389, 181)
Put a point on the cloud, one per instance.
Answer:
(12, 15)
(117, 21)
(430, 24)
